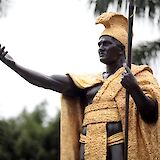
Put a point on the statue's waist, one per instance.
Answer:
(111, 127)
(101, 113)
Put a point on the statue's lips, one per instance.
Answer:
(102, 55)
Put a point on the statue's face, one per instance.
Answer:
(109, 50)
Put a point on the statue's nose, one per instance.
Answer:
(101, 49)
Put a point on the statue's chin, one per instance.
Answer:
(104, 61)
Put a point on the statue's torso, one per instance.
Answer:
(116, 151)
(112, 128)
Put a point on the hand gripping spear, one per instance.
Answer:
(130, 26)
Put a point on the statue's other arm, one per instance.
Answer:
(59, 83)
(147, 107)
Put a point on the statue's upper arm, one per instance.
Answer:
(65, 85)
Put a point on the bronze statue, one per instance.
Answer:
(110, 112)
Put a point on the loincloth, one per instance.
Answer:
(96, 141)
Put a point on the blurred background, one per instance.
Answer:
(57, 37)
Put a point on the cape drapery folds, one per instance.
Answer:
(144, 139)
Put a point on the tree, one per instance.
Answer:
(4, 4)
(140, 5)
(143, 8)
(30, 136)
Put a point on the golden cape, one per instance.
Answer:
(144, 138)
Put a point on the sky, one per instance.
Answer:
(51, 37)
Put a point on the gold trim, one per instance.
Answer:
(115, 139)
(82, 138)
(101, 116)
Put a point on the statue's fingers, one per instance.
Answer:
(122, 76)
(129, 72)
(4, 53)
(128, 69)
(3, 48)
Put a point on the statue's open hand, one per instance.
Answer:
(128, 80)
(2, 52)
(4, 56)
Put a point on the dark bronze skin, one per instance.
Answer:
(112, 54)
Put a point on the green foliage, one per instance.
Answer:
(141, 6)
(144, 52)
(30, 136)
(4, 5)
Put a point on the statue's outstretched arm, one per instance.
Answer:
(59, 83)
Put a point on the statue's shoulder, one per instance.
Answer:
(140, 68)
(86, 80)
(145, 74)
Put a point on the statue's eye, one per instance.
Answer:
(106, 43)
(99, 43)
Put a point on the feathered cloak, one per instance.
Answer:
(144, 138)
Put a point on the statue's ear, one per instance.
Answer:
(122, 53)
(122, 48)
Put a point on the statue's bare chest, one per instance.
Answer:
(91, 92)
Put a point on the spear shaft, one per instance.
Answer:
(129, 61)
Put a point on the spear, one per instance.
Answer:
(129, 60)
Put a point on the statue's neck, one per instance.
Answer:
(112, 68)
